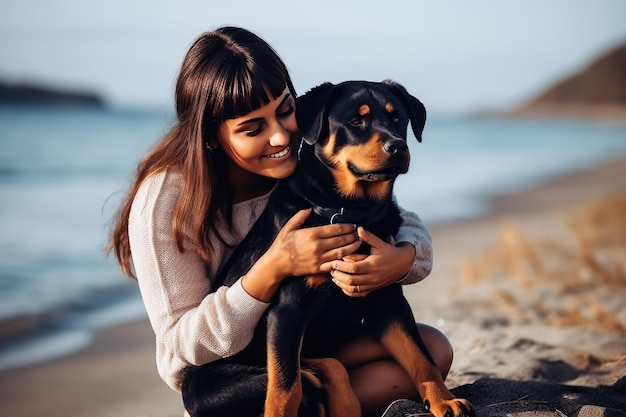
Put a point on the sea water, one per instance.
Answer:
(64, 171)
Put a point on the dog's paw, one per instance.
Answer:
(456, 407)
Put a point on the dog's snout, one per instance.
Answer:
(396, 146)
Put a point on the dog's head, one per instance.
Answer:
(358, 130)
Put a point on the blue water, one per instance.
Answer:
(63, 172)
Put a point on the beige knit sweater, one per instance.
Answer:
(195, 324)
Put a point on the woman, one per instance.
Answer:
(199, 191)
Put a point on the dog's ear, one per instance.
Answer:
(311, 112)
(417, 111)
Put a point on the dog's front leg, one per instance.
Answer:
(394, 325)
(423, 371)
(285, 329)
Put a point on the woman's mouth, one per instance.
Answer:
(280, 154)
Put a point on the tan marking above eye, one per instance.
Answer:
(389, 107)
(364, 110)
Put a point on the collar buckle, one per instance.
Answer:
(337, 217)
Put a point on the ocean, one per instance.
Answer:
(63, 172)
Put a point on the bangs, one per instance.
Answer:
(246, 89)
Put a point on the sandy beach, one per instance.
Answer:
(531, 296)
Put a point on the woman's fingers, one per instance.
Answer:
(333, 230)
(349, 285)
(296, 220)
(340, 247)
(343, 255)
(336, 241)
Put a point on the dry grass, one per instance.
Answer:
(573, 277)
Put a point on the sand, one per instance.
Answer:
(534, 321)
(543, 340)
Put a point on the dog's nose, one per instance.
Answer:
(396, 146)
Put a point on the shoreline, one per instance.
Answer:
(116, 374)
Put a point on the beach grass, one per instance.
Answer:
(572, 274)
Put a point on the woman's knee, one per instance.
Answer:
(378, 383)
(365, 349)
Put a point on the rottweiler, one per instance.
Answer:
(354, 147)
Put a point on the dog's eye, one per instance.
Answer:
(396, 119)
(356, 122)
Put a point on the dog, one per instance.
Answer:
(354, 147)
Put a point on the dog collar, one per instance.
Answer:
(360, 216)
(363, 216)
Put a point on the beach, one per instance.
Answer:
(537, 322)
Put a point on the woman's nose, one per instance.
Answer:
(279, 136)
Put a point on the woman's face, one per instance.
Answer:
(265, 141)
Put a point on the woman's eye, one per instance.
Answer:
(255, 131)
(287, 112)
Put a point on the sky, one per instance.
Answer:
(454, 55)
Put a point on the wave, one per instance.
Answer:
(63, 329)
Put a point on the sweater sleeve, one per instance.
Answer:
(414, 232)
(192, 324)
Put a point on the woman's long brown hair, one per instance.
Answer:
(226, 73)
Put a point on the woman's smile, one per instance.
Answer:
(280, 154)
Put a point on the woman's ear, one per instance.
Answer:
(212, 144)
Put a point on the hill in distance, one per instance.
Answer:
(35, 94)
(598, 91)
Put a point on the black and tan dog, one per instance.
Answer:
(354, 148)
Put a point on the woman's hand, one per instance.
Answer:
(303, 251)
(299, 252)
(358, 275)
